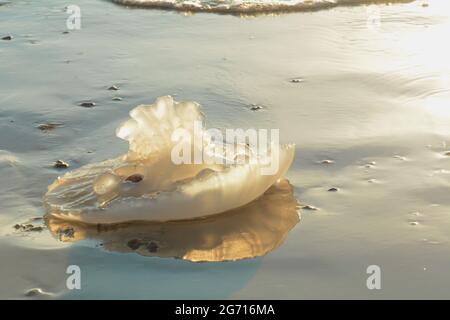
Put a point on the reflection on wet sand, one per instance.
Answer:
(247, 232)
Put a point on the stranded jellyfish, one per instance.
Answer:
(174, 169)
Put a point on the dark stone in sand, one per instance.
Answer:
(333, 189)
(61, 164)
(113, 88)
(65, 32)
(7, 38)
(87, 104)
(447, 154)
(117, 99)
(135, 178)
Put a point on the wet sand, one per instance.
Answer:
(372, 101)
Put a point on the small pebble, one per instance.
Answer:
(113, 87)
(135, 178)
(425, 5)
(447, 153)
(326, 161)
(333, 189)
(309, 207)
(255, 107)
(400, 157)
(370, 164)
(117, 99)
(87, 104)
(49, 126)
(65, 32)
(414, 223)
(7, 38)
(297, 80)
(36, 292)
(61, 164)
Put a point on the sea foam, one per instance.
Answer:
(248, 7)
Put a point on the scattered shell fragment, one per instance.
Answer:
(400, 157)
(113, 88)
(428, 241)
(326, 161)
(49, 126)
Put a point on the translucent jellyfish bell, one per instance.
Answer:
(146, 184)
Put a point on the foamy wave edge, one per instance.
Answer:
(250, 8)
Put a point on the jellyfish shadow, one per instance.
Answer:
(247, 232)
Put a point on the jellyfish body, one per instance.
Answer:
(148, 184)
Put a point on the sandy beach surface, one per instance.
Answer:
(369, 115)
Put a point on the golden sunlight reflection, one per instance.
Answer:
(425, 50)
(246, 232)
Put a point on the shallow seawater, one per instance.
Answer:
(372, 98)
